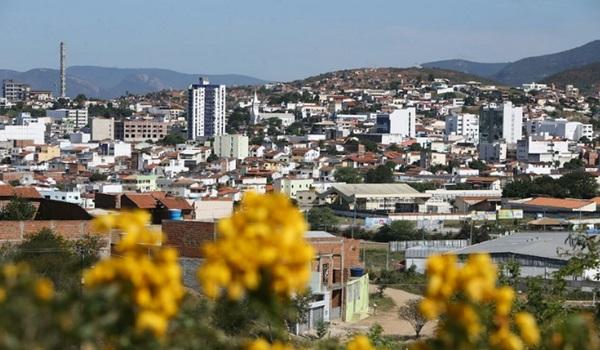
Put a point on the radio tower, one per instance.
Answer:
(63, 80)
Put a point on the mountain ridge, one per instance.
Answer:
(111, 82)
(528, 69)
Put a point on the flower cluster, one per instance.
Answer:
(360, 342)
(149, 272)
(260, 247)
(261, 344)
(11, 276)
(459, 294)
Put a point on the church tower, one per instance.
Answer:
(254, 112)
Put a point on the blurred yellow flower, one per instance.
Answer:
(360, 342)
(261, 344)
(261, 245)
(2, 295)
(44, 289)
(153, 271)
(528, 328)
(460, 294)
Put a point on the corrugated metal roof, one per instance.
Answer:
(375, 190)
(545, 244)
(318, 234)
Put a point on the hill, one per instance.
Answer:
(586, 78)
(533, 69)
(477, 68)
(383, 78)
(105, 82)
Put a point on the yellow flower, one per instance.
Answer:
(261, 344)
(262, 242)
(528, 328)
(151, 321)
(360, 342)
(149, 272)
(429, 308)
(504, 299)
(44, 289)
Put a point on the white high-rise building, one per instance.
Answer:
(399, 122)
(466, 125)
(501, 123)
(206, 110)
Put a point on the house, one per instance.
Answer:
(291, 185)
(392, 197)
(338, 282)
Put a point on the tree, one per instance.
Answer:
(237, 120)
(415, 147)
(579, 184)
(97, 176)
(348, 175)
(398, 230)
(411, 313)
(381, 174)
(172, 139)
(213, 157)
(52, 256)
(477, 164)
(322, 218)
(370, 146)
(18, 209)
(574, 164)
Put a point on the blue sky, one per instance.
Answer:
(285, 39)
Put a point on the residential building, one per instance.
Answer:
(498, 123)
(103, 128)
(68, 119)
(141, 130)
(206, 110)
(139, 183)
(466, 125)
(400, 121)
(561, 128)
(545, 150)
(14, 91)
(33, 130)
(291, 186)
(231, 146)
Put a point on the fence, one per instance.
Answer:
(400, 246)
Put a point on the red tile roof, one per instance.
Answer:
(142, 200)
(175, 203)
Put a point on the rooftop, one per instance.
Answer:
(540, 244)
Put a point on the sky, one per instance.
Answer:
(284, 39)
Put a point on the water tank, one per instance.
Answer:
(357, 271)
(175, 214)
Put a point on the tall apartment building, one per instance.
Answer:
(69, 120)
(399, 122)
(141, 130)
(497, 123)
(466, 125)
(15, 92)
(231, 146)
(206, 110)
(560, 128)
(103, 129)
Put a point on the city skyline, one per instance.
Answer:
(262, 39)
